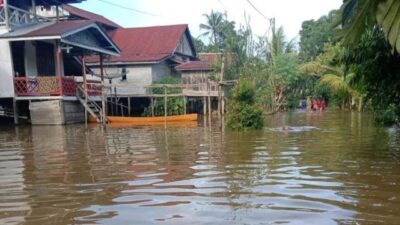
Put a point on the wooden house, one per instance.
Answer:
(41, 58)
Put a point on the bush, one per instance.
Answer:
(244, 113)
(175, 105)
(386, 117)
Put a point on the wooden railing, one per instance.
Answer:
(18, 17)
(50, 86)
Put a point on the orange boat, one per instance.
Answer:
(149, 120)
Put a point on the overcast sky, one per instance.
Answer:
(288, 13)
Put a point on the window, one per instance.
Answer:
(123, 78)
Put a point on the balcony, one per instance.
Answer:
(18, 17)
(50, 86)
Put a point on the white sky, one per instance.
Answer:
(288, 13)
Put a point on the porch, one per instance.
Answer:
(54, 86)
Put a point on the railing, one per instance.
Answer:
(18, 17)
(49, 86)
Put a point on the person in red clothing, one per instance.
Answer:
(323, 104)
(315, 105)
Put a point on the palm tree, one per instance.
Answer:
(360, 15)
(213, 26)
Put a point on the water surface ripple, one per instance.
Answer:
(342, 171)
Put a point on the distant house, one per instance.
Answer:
(148, 54)
(197, 74)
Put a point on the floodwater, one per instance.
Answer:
(332, 168)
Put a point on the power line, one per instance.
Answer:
(130, 9)
(259, 12)
(223, 5)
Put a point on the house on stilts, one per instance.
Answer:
(42, 64)
(56, 59)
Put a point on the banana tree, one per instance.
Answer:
(360, 15)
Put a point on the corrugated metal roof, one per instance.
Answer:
(146, 44)
(194, 66)
(59, 28)
(89, 16)
(210, 57)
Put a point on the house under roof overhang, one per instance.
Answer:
(78, 36)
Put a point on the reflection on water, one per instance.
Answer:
(343, 171)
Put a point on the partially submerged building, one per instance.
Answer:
(48, 47)
(41, 60)
(148, 54)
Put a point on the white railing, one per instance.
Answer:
(19, 17)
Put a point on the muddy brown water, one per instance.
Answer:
(331, 168)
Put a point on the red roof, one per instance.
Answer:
(147, 44)
(194, 66)
(58, 28)
(89, 16)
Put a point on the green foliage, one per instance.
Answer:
(314, 35)
(244, 113)
(358, 16)
(377, 72)
(387, 116)
(175, 105)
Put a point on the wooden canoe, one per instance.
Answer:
(151, 120)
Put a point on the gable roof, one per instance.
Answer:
(148, 44)
(89, 16)
(64, 30)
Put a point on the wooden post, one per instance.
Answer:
(15, 107)
(129, 106)
(220, 107)
(165, 105)
(59, 68)
(204, 106)
(103, 97)
(57, 13)
(115, 101)
(122, 108)
(209, 100)
(184, 105)
(152, 107)
(6, 15)
(34, 9)
(85, 87)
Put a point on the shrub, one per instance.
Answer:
(244, 113)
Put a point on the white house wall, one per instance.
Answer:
(6, 71)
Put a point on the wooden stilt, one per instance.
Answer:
(184, 105)
(15, 108)
(85, 87)
(209, 101)
(152, 107)
(204, 106)
(115, 102)
(129, 107)
(59, 68)
(122, 107)
(103, 90)
(165, 105)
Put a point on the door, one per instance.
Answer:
(45, 59)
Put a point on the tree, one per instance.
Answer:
(377, 73)
(315, 34)
(329, 69)
(360, 15)
(213, 27)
